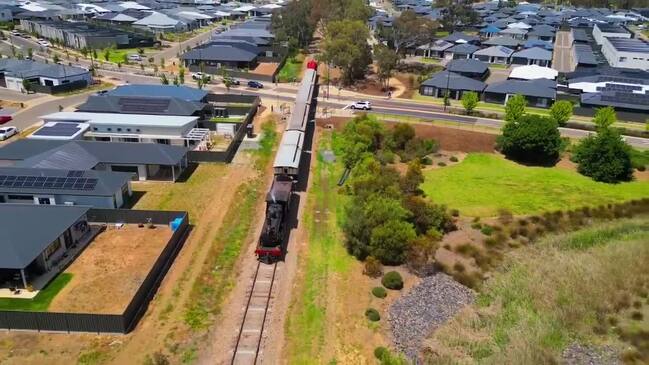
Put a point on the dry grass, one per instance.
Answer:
(541, 301)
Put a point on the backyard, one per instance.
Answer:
(42, 300)
(484, 183)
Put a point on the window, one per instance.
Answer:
(95, 128)
(109, 129)
(119, 129)
(21, 197)
(52, 248)
(622, 59)
(128, 129)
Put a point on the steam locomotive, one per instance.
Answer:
(286, 171)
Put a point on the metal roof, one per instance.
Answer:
(503, 41)
(629, 45)
(533, 72)
(60, 130)
(60, 181)
(151, 105)
(122, 119)
(288, 156)
(180, 92)
(494, 51)
(464, 48)
(534, 53)
(542, 88)
(584, 55)
(457, 37)
(28, 69)
(633, 101)
(220, 52)
(28, 229)
(83, 155)
(454, 81)
(469, 65)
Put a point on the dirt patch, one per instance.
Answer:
(641, 175)
(112, 267)
(266, 68)
(450, 139)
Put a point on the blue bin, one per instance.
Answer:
(175, 224)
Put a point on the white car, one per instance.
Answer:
(7, 132)
(44, 43)
(134, 57)
(362, 105)
(201, 76)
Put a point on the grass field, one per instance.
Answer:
(482, 184)
(117, 55)
(290, 72)
(326, 257)
(41, 301)
(539, 304)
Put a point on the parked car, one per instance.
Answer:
(134, 57)
(5, 119)
(7, 132)
(25, 35)
(44, 43)
(15, 32)
(255, 84)
(231, 80)
(201, 76)
(362, 105)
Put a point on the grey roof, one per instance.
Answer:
(83, 155)
(467, 65)
(584, 55)
(456, 36)
(156, 19)
(108, 182)
(454, 81)
(629, 45)
(220, 52)
(29, 69)
(28, 229)
(638, 102)
(534, 53)
(464, 48)
(503, 41)
(542, 88)
(438, 45)
(154, 105)
(494, 51)
(172, 91)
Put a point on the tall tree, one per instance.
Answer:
(409, 29)
(561, 111)
(531, 139)
(470, 100)
(386, 61)
(345, 46)
(459, 13)
(515, 108)
(294, 24)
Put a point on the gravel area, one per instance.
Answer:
(426, 307)
(577, 354)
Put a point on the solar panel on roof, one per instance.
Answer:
(58, 130)
(144, 105)
(40, 182)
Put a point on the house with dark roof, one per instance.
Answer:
(146, 161)
(170, 91)
(147, 104)
(14, 72)
(461, 38)
(36, 237)
(494, 54)
(99, 189)
(463, 50)
(538, 93)
(503, 41)
(471, 68)
(533, 56)
(435, 49)
(455, 84)
(236, 56)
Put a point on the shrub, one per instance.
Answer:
(380, 352)
(426, 161)
(373, 267)
(531, 139)
(372, 314)
(505, 216)
(490, 242)
(453, 159)
(459, 267)
(392, 280)
(487, 230)
(441, 164)
(637, 316)
(455, 212)
(476, 225)
(379, 292)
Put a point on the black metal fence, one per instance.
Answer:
(227, 155)
(70, 86)
(110, 323)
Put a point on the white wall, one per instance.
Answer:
(616, 58)
(599, 35)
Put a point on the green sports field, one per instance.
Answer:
(484, 183)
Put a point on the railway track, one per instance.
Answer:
(251, 331)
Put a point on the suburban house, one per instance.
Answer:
(144, 128)
(462, 50)
(471, 68)
(538, 93)
(533, 72)
(461, 38)
(99, 189)
(516, 33)
(602, 31)
(494, 54)
(624, 89)
(81, 35)
(542, 32)
(236, 56)
(489, 31)
(455, 84)
(583, 56)
(144, 104)
(147, 161)
(626, 53)
(435, 49)
(531, 43)
(35, 238)
(160, 23)
(503, 41)
(532, 56)
(13, 72)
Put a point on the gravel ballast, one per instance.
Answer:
(426, 307)
(577, 354)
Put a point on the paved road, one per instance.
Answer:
(562, 61)
(6, 94)
(28, 117)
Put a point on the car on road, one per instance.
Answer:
(362, 105)
(44, 43)
(5, 119)
(231, 80)
(201, 76)
(7, 132)
(134, 57)
(255, 84)
(15, 32)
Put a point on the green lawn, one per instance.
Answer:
(483, 183)
(290, 72)
(228, 120)
(41, 301)
(117, 55)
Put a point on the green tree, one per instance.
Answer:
(386, 61)
(604, 157)
(561, 111)
(176, 81)
(27, 86)
(125, 58)
(107, 54)
(140, 51)
(407, 29)
(401, 135)
(294, 23)
(426, 216)
(164, 80)
(56, 58)
(181, 75)
(515, 108)
(470, 101)
(531, 139)
(389, 241)
(345, 46)
(30, 53)
(94, 54)
(412, 179)
(361, 135)
(458, 13)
